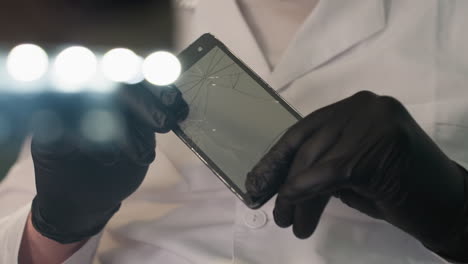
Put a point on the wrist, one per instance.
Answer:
(36, 248)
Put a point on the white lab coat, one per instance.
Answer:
(416, 51)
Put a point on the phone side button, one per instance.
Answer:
(255, 219)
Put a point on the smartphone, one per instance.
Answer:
(235, 117)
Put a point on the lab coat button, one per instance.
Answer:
(255, 219)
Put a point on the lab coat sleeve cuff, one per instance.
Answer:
(86, 253)
(11, 232)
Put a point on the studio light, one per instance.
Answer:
(122, 65)
(161, 68)
(73, 68)
(27, 63)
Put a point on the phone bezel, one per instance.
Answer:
(190, 56)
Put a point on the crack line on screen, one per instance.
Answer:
(214, 73)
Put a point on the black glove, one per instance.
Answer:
(368, 151)
(82, 177)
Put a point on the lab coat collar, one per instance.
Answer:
(333, 27)
(224, 19)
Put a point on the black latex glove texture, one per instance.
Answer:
(369, 152)
(81, 182)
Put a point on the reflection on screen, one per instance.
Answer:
(232, 118)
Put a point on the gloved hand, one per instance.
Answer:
(368, 151)
(82, 177)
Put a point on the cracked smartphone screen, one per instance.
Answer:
(232, 118)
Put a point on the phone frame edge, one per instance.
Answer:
(187, 58)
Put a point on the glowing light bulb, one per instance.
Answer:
(121, 65)
(73, 67)
(161, 68)
(27, 62)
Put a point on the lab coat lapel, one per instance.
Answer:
(224, 19)
(333, 27)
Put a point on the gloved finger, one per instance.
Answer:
(321, 179)
(283, 213)
(357, 129)
(359, 202)
(270, 172)
(172, 99)
(315, 147)
(54, 136)
(346, 130)
(167, 95)
(136, 147)
(143, 105)
(307, 216)
(52, 150)
(140, 145)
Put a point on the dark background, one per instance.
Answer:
(131, 23)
